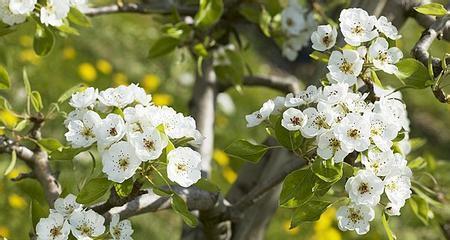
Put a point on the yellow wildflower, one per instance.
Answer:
(287, 228)
(16, 201)
(162, 99)
(120, 79)
(87, 72)
(221, 157)
(150, 82)
(8, 118)
(104, 66)
(69, 53)
(229, 174)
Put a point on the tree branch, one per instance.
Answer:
(158, 7)
(285, 85)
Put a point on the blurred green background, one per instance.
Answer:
(114, 52)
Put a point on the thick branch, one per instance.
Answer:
(158, 7)
(286, 85)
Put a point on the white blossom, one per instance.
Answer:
(354, 130)
(385, 26)
(54, 12)
(307, 96)
(84, 99)
(383, 57)
(365, 188)
(149, 144)
(397, 188)
(120, 230)
(293, 119)
(82, 132)
(345, 66)
(67, 206)
(292, 19)
(357, 26)
(355, 218)
(329, 146)
(9, 17)
(54, 227)
(262, 114)
(394, 110)
(324, 38)
(382, 131)
(378, 162)
(184, 165)
(393, 209)
(319, 120)
(110, 130)
(117, 97)
(335, 93)
(120, 162)
(87, 225)
(76, 114)
(139, 94)
(22, 6)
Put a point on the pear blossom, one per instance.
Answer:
(382, 131)
(397, 188)
(384, 26)
(383, 57)
(393, 209)
(87, 225)
(279, 107)
(291, 47)
(120, 162)
(355, 217)
(54, 227)
(67, 206)
(139, 94)
(310, 95)
(292, 19)
(84, 99)
(9, 17)
(110, 130)
(394, 110)
(262, 114)
(82, 132)
(335, 93)
(357, 26)
(54, 12)
(293, 119)
(22, 6)
(378, 162)
(117, 97)
(149, 144)
(324, 38)
(138, 118)
(345, 66)
(120, 230)
(184, 166)
(76, 114)
(329, 146)
(356, 103)
(365, 188)
(354, 129)
(319, 121)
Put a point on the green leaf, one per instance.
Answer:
(320, 56)
(12, 164)
(209, 13)
(309, 212)
(264, 22)
(21, 125)
(163, 46)
(387, 229)
(66, 28)
(288, 139)
(251, 11)
(36, 101)
(206, 185)
(5, 83)
(298, 188)
(200, 50)
(417, 163)
(375, 78)
(37, 212)
(433, 9)
(420, 208)
(51, 144)
(67, 94)
(413, 73)
(67, 153)
(93, 190)
(327, 170)
(44, 40)
(246, 151)
(180, 207)
(26, 82)
(124, 189)
(4, 104)
(78, 18)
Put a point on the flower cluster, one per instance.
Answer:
(339, 120)
(129, 131)
(53, 13)
(68, 216)
(297, 25)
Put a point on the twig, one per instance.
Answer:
(285, 85)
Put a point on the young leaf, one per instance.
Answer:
(180, 207)
(209, 13)
(326, 170)
(93, 190)
(420, 208)
(309, 212)
(246, 151)
(433, 9)
(75, 16)
(319, 56)
(44, 40)
(21, 125)
(413, 73)
(124, 189)
(12, 164)
(375, 79)
(206, 185)
(36, 101)
(163, 46)
(297, 188)
(5, 83)
(4, 104)
(51, 144)
(66, 95)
